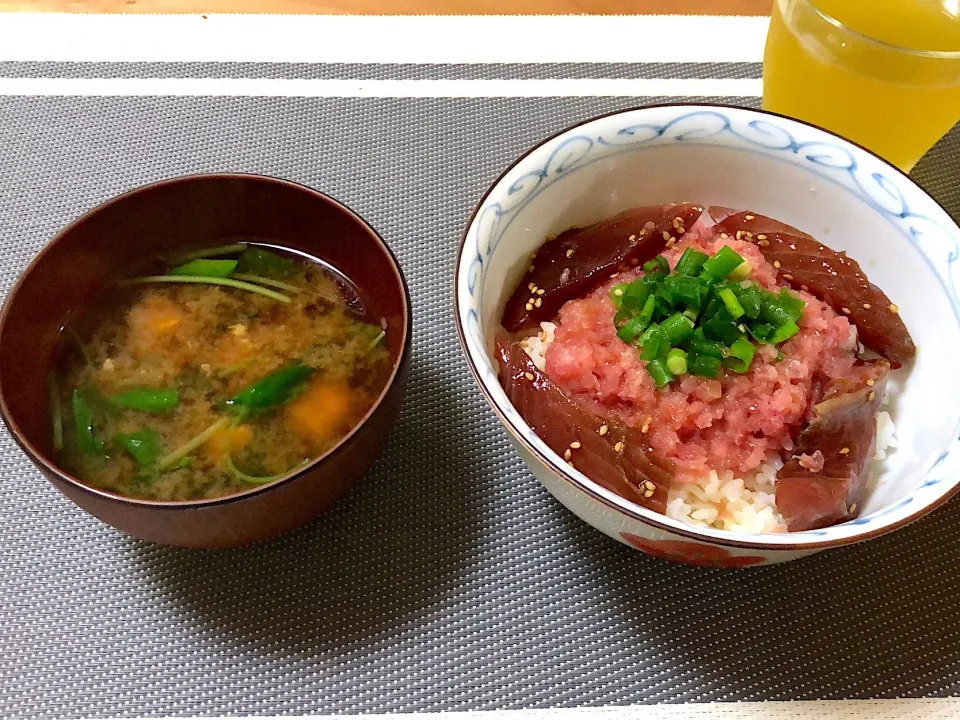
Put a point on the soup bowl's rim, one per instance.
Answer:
(770, 542)
(41, 459)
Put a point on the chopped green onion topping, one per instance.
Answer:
(723, 262)
(761, 332)
(653, 342)
(733, 304)
(621, 318)
(784, 332)
(741, 355)
(703, 316)
(749, 296)
(657, 265)
(791, 304)
(703, 365)
(631, 328)
(721, 327)
(678, 328)
(684, 290)
(616, 294)
(659, 372)
(677, 361)
(635, 295)
(741, 271)
(700, 345)
(691, 262)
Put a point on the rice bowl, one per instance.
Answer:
(736, 158)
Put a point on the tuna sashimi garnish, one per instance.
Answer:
(832, 276)
(578, 259)
(841, 433)
(609, 453)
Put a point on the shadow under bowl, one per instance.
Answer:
(93, 252)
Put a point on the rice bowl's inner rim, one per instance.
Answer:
(480, 364)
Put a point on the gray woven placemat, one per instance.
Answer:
(449, 579)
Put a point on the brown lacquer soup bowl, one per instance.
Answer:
(85, 260)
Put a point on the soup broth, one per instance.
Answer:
(224, 373)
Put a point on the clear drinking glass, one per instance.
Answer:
(884, 73)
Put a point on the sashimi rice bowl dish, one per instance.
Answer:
(710, 364)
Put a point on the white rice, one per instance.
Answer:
(536, 345)
(720, 500)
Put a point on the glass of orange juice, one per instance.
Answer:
(884, 73)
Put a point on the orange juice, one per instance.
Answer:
(884, 73)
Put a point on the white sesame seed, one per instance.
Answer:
(575, 445)
(566, 454)
(603, 430)
(618, 447)
(528, 376)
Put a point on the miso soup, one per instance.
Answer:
(226, 370)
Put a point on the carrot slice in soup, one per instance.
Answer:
(322, 412)
(228, 439)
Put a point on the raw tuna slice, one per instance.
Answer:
(842, 430)
(827, 274)
(574, 262)
(606, 451)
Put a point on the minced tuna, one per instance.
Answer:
(734, 423)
